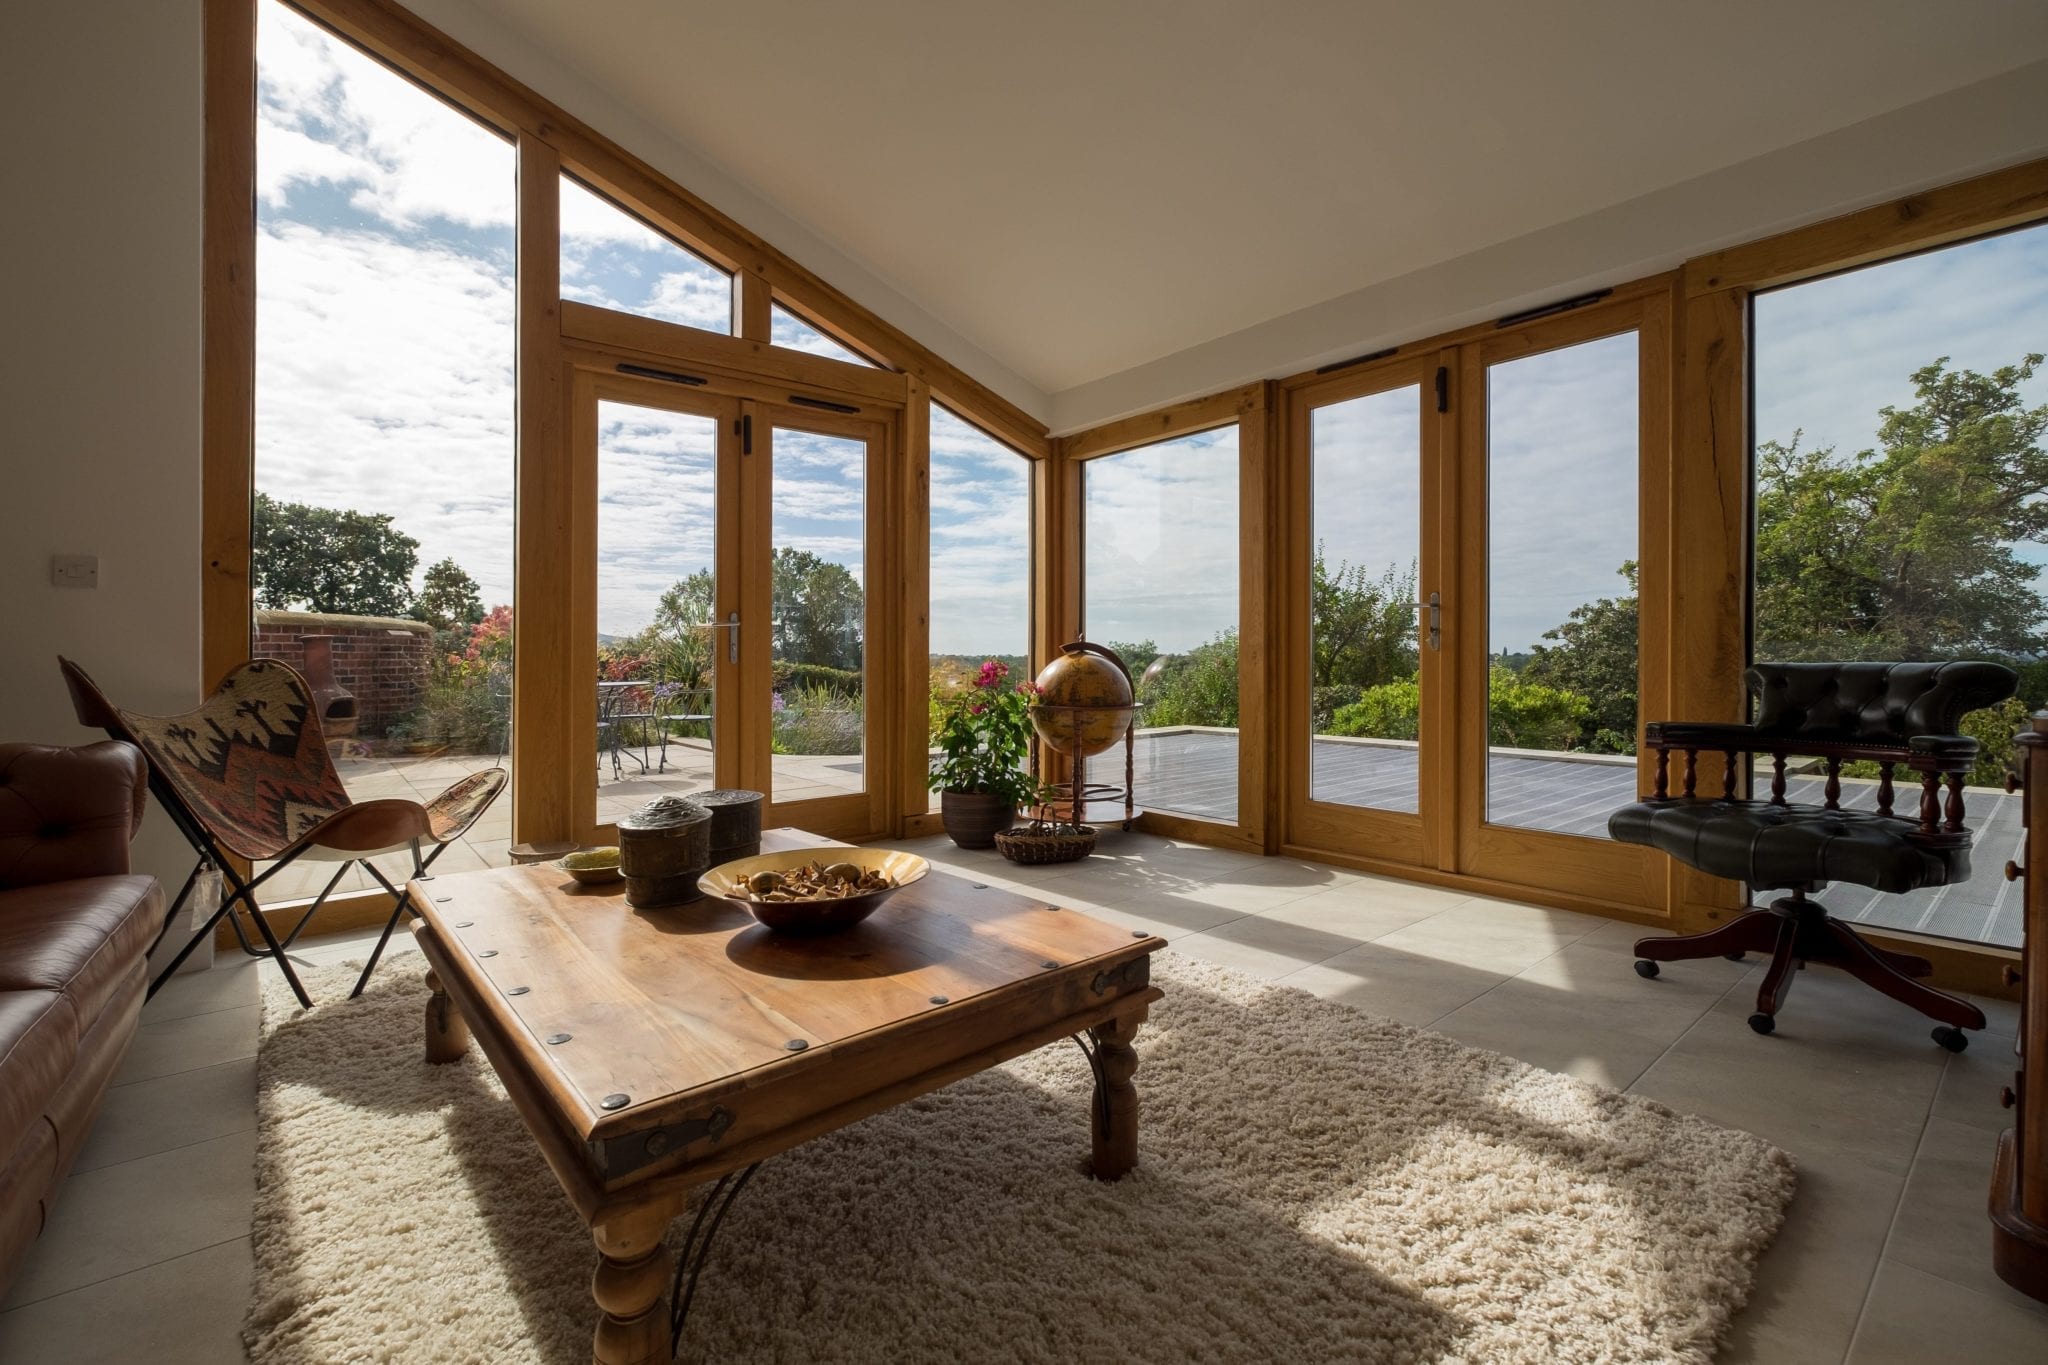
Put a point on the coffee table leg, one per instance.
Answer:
(447, 1031)
(630, 1286)
(1116, 1099)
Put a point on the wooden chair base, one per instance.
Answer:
(1793, 932)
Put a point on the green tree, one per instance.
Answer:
(819, 611)
(1596, 656)
(1195, 688)
(1362, 628)
(679, 639)
(1908, 550)
(329, 560)
(449, 601)
(1519, 714)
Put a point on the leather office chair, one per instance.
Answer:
(1901, 715)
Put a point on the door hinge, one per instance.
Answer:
(1443, 388)
(745, 430)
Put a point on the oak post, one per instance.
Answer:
(1663, 788)
(630, 1285)
(447, 1031)
(1116, 1099)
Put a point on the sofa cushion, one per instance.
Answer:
(68, 812)
(38, 1044)
(78, 937)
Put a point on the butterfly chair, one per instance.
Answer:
(248, 776)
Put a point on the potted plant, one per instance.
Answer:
(984, 737)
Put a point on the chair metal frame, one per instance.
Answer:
(94, 709)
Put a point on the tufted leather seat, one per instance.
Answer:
(1906, 715)
(1790, 845)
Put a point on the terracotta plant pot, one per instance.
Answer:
(973, 819)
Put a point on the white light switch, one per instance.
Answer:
(75, 571)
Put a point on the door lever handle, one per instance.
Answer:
(732, 644)
(1435, 607)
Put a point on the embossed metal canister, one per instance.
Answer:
(664, 847)
(735, 823)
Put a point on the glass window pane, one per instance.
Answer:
(1900, 514)
(817, 581)
(1365, 694)
(1561, 516)
(793, 332)
(611, 259)
(980, 557)
(657, 488)
(382, 525)
(1160, 587)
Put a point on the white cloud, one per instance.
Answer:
(1161, 525)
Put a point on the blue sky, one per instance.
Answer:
(384, 382)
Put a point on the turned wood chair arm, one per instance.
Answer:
(1942, 761)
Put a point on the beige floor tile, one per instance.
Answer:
(1585, 1012)
(186, 1044)
(1971, 1081)
(183, 1311)
(158, 1115)
(1812, 1281)
(230, 984)
(1265, 948)
(1352, 912)
(1487, 936)
(1840, 1079)
(122, 1218)
(1414, 988)
(1915, 1318)
(1941, 1226)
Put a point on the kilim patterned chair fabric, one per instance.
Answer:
(248, 775)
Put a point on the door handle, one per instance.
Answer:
(731, 623)
(1435, 607)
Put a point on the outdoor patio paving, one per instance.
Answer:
(1194, 772)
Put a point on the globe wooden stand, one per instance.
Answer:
(1069, 801)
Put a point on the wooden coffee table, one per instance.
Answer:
(652, 1052)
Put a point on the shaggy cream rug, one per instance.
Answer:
(1315, 1184)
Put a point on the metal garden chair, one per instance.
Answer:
(248, 776)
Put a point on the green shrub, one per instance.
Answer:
(1992, 728)
(791, 677)
(1196, 688)
(1326, 702)
(1390, 711)
(816, 720)
(1520, 715)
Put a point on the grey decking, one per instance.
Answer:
(1194, 772)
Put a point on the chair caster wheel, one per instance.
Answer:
(1736, 957)
(1762, 1023)
(1954, 1039)
(1646, 969)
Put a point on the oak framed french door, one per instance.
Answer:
(1564, 551)
(1366, 724)
(732, 540)
(1472, 597)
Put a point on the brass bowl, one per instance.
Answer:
(814, 917)
(592, 866)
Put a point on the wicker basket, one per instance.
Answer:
(1046, 843)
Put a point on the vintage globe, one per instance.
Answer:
(1084, 702)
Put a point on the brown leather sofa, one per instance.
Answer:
(75, 930)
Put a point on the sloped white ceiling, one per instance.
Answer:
(1078, 187)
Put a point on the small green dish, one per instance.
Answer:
(592, 866)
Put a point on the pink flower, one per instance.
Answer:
(992, 673)
(977, 708)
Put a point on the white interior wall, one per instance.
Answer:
(99, 364)
(1978, 128)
